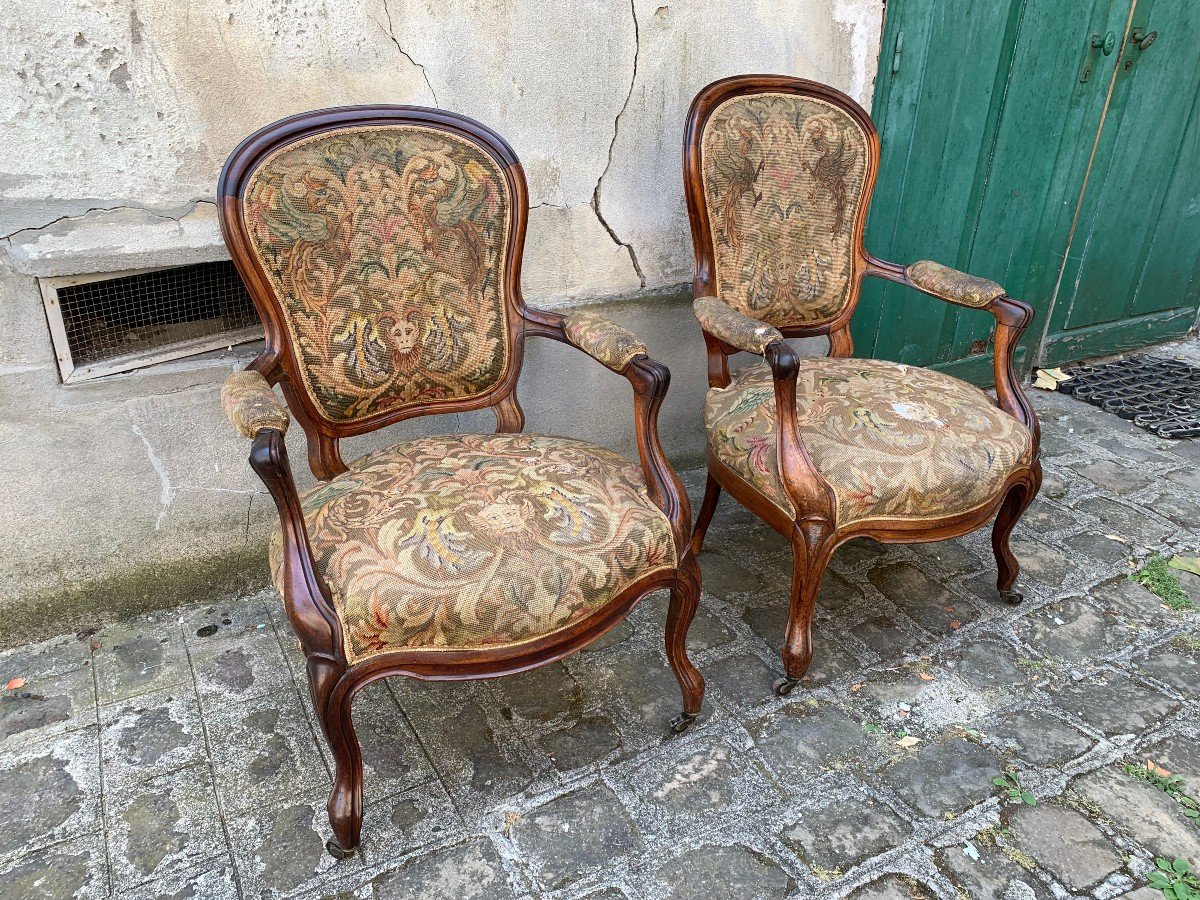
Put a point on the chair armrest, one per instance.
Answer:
(812, 496)
(952, 285)
(602, 340)
(650, 380)
(1012, 318)
(737, 330)
(306, 597)
(256, 412)
(251, 405)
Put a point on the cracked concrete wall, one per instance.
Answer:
(131, 491)
(137, 102)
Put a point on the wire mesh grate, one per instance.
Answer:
(139, 314)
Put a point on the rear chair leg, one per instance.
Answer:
(708, 506)
(1016, 501)
(685, 598)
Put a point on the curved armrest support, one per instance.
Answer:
(812, 498)
(1012, 318)
(305, 594)
(650, 380)
(601, 339)
(731, 327)
(250, 404)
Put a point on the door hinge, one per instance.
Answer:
(899, 49)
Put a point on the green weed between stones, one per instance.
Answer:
(1013, 789)
(1175, 879)
(1160, 579)
(1171, 785)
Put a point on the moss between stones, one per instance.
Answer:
(150, 587)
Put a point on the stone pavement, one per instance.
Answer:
(176, 755)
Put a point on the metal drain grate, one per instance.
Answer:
(1160, 395)
(113, 324)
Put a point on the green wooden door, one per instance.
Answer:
(989, 114)
(1130, 277)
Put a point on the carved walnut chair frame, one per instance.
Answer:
(814, 533)
(333, 681)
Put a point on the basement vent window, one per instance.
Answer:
(103, 324)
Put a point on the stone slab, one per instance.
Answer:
(574, 835)
(1066, 844)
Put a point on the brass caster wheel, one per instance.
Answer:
(1012, 597)
(336, 851)
(682, 723)
(785, 686)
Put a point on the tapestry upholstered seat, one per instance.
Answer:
(893, 441)
(778, 175)
(474, 541)
(382, 248)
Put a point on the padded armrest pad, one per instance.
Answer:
(952, 285)
(602, 340)
(722, 321)
(251, 405)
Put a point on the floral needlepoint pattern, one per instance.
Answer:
(251, 405)
(469, 541)
(953, 285)
(602, 340)
(783, 180)
(893, 441)
(386, 246)
(723, 321)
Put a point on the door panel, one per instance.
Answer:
(1134, 250)
(1040, 157)
(988, 127)
(934, 124)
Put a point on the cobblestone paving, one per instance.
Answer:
(176, 755)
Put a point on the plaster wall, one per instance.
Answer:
(131, 491)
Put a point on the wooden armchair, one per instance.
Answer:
(382, 248)
(778, 174)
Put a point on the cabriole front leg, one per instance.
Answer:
(685, 598)
(810, 556)
(345, 806)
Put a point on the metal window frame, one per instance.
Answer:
(72, 374)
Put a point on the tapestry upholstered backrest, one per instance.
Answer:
(385, 245)
(783, 174)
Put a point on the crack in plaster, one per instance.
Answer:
(87, 212)
(158, 214)
(637, 49)
(167, 496)
(392, 35)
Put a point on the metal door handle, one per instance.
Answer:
(1105, 44)
(1138, 36)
